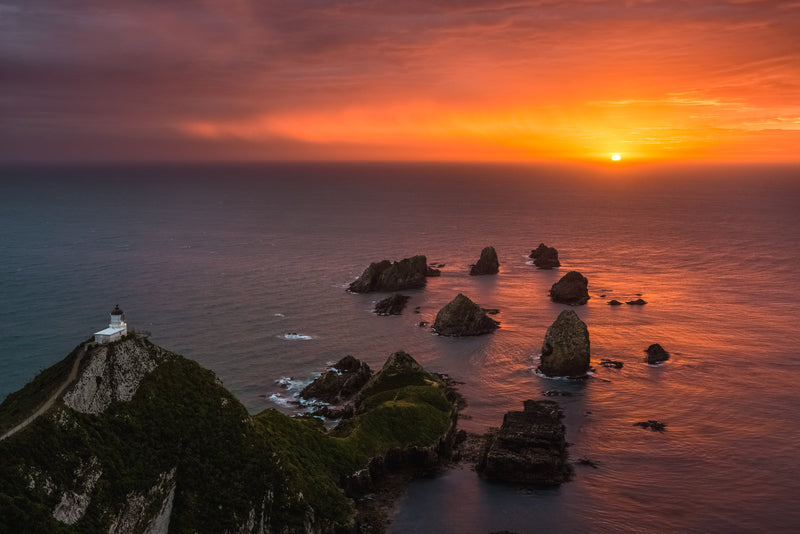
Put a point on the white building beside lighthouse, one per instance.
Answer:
(116, 327)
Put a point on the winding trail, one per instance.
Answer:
(73, 374)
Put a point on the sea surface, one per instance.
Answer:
(221, 262)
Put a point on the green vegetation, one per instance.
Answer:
(228, 465)
(20, 404)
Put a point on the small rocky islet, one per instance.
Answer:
(462, 317)
(656, 354)
(529, 447)
(387, 276)
(572, 289)
(392, 305)
(545, 257)
(565, 351)
(487, 263)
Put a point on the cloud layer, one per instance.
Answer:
(248, 79)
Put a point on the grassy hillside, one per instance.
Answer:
(228, 469)
(18, 405)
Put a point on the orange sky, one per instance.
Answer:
(401, 80)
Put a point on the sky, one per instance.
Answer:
(485, 80)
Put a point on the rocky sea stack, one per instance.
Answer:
(339, 384)
(572, 289)
(545, 257)
(487, 264)
(656, 354)
(409, 273)
(529, 448)
(462, 317)
(391, 305)
(565, 351)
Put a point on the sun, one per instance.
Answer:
(616, 157)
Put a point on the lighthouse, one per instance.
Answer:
(116, 327)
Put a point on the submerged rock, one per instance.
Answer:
(408, 273)
(529, 448)
(637, 302)
(565, 351)
(462, 317)
(556, 393)
(652, 424)
(656, 354)
(391, 305)
(545, 257)
(614, 302)
(573, 289)
(487, 264)
(611, 364)
(339, 384)
(430, 271)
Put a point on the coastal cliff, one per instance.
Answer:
(141, 439)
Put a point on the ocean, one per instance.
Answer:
(221, 262)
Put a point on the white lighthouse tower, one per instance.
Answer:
(116, 327)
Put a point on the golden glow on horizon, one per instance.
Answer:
(612, 90)
(670, 129)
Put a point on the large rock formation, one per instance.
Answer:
(169, 449)
(340, 383)
(408, 273)
(487, 264)
(565, 351)
(391, 305)
(529, 448)
(572, 289)
(462, 317)
(656, 354)
(545, 257)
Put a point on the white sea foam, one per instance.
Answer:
(295, 335)
(280, 400)
(285, 381)
(537, 358)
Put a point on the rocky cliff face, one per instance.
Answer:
(111, 373)
(137, 513)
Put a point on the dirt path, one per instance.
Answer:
(46, 406)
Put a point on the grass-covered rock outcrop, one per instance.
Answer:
(183, 454)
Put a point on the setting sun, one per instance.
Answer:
(616, 157)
